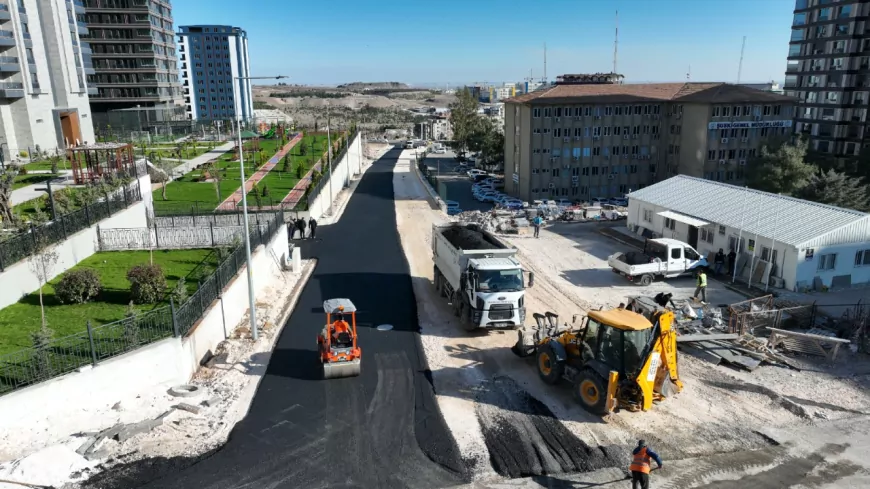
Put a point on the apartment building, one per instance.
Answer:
(214, 61)
(134, 56)
(828, 71)
(43, 95)
(593, 136)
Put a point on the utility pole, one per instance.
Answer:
(616, 43)
(545, 63)
(740, 65)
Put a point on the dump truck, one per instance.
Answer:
(479, 275)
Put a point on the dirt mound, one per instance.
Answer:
(525, 438)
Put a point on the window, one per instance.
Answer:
(676, 253)
(670, 224)
(827, 261)
(707, 235)
(608, 110)
(862, 258)
(722, 230)
(536, 112)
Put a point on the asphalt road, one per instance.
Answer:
(382, 429)
(458, 186)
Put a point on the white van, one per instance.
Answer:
(409, 145)
(475, 172)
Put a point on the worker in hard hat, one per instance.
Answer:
(640, 465)
(338, 327)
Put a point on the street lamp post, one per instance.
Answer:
(247, 231)
(329, 158)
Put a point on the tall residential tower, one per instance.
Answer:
(134, 56)
(212, 57)
(829, 72)
(43, 95)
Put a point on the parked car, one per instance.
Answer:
(662, 257)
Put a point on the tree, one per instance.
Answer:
(42, 263)
(781, 169)
(216, 177)
(838, 189)
(464, 119)
(7, 178)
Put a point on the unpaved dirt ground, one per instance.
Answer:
(509, 424)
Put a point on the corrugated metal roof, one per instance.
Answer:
(691, 221)
(785, 219)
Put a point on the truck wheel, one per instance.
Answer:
(549, 368)
(646, 279)
(591, 391)
(456, 302)
(465, 317)
(436, 282)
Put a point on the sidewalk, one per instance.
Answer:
(189, 165)
(30, 192)
(232, 200)
(294, 196)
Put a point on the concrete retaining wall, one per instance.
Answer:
(167, 362)
(350, 162)
(19, 280)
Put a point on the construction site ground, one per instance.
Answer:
(769, 428)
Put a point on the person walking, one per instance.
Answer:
(732, 259)
(537, 222)
(312, 227)
(640, 465)
(302, 227)
(719, 262)
(701, 287)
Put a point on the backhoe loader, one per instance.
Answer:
(616, 359)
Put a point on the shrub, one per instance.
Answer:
(78, 286)
(22, 171)
(265, 191)
(132, 331)
(147, 283)
(179, 292)
(299, 171)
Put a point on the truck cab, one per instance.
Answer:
(497, 285)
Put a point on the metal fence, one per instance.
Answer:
(198, 208)
(315, 190)
(207, 220)
(25, 244)
(172, 238)
(97, 343)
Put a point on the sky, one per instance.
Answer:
(454, 41)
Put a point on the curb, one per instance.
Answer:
(429, 190)
(614, 238)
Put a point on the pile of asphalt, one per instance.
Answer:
(525, 439)
(380, 429)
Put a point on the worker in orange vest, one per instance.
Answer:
(640, 465)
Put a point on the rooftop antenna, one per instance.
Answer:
(616, 42)
(689, 73)
(740, 65)
(545, 63)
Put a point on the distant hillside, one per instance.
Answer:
(373, 86)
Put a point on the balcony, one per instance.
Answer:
(34, 88)
(93, 91)
(86, 48)
(79, 6)
(4, 13)
(7, 38)
(11, 90)
(9, 64)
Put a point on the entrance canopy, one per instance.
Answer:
(691, 221)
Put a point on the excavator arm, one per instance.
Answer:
(660, 370)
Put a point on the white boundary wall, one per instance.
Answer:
(352, 160)
(19, 280)
(169, 362)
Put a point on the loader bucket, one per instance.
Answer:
(338, 370)
(540, 319)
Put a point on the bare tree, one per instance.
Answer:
(42, 263)
(215, 174)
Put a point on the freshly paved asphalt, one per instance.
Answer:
(381, 429)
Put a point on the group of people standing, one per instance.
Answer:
(299, 226)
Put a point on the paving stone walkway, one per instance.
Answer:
(232, 201)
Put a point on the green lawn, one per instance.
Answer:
(31, 179)
(19, 320)
(188, 189)
(188, 153)
(279, 183)
(45, 165)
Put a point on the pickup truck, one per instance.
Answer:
(479, 275)
(662, 257)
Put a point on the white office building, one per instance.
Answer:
(782, 241)
(43, 95)
(212, 58)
